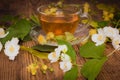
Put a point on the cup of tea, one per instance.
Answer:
(60, 19)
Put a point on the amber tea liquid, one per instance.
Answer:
(59, 25)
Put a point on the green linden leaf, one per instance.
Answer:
(45, 48)
(71, 51)
(20, 29)
(90, 50)
(102, 24)
(72, 74)
(92, 68)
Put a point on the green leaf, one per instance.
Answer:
(102, 24)
(45, 48)
(27, 38)
(92, 68)
(20, 30)
(90, 50)
(71, 51)
(72, 74)
(35, 19)
(35, 52)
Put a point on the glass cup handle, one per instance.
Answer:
(86, 17)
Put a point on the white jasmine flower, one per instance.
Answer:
(53, 57)
(12, 48)
(63, 48)
(99, 38)
(1, 46)
(116, 42)
(65, 66)
(65, 57)
(110, 32)
(2, 33)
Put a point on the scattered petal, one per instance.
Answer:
(1, 46)
(2, 33)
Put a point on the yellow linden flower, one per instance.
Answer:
(106, 18)
(41, 39)
(44, 67)
(50, 35)
(92, 31)
(50, 11)
(111, 15)
(86, 7)
(32, 68)
(105, 13)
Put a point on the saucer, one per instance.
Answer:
(81, 34)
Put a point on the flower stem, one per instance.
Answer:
(113, 52)
(35, 52)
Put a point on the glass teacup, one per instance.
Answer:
(60, 19)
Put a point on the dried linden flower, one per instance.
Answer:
(86, 7)
(50, 35)
(92, 31)
(44, 67)
(41, 39)
(32, 68)
(107, 16)
(51, 11)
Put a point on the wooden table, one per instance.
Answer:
(16, 70)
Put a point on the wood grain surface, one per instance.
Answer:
(28, 7)
(16, 70)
